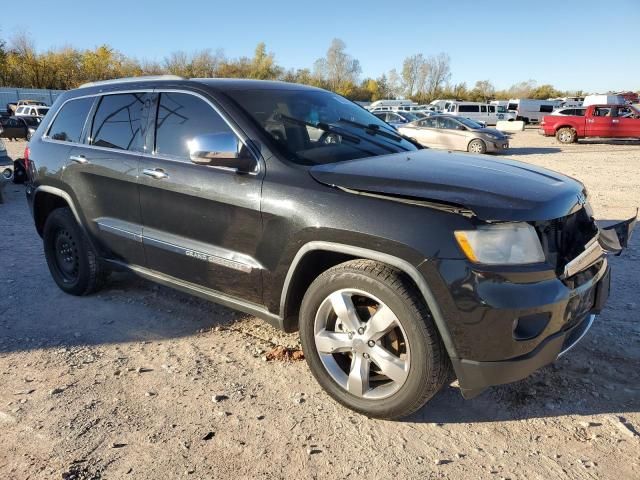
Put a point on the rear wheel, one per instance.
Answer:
(370, 341)
(477, 146)
(72, 261)
(566, 135)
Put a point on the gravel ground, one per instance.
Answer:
(143, 382)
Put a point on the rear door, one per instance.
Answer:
(427, 133)
(103, 172)
(600, 123)
(451, 135)
(202, 224)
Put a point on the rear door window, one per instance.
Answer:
(69, 122)
(118, 122)
(180, 118)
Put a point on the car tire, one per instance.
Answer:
(354, 373)
(566, 135)
(73, 263)
(477, 146)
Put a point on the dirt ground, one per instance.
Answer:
(143, 382)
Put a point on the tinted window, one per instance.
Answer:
(492, 108)
(512, 106)
(546, 108)
(429, 122)
(447, 123)
(579, 112)
(483, 108)
(68, 124)
(468, 108)
(180, 118)
(117, 122)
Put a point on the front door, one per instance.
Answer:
(103, 173)
(201, 224)
(626, 122)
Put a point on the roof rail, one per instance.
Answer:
(131, 79)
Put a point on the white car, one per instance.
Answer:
(31, 111)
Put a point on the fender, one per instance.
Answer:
(62, 194)
(396, 262)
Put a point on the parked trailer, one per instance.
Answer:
(530, 110)
(13, 95)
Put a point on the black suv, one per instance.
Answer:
(400, 266)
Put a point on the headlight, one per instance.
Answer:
(501, 244)
(492, 136)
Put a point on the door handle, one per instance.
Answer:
(156, 173)
(615, 121)
(81, 159)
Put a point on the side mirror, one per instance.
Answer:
(461, 127)
(221, 150)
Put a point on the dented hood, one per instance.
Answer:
(493, 189)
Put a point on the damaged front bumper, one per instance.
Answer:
(475, 376)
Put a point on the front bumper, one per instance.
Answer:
(507, 324)
(497, 145)
(475, 377)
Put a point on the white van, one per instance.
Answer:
(480, 112)
(386, 105)
(442, 105)
(532, 111)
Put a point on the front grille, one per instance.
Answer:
(563, 239)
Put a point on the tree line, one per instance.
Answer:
(421, 78)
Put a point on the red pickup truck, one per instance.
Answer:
(609, 121)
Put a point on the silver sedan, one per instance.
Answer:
(455, 133)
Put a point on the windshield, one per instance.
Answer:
(501, 109)
(313, 127)
(31, 121)
(469, 123)
(408, 116)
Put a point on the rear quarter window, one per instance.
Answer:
(468, 108)
(69, 122)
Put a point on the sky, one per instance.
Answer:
(588, 45)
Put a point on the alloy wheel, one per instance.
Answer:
(361, 344)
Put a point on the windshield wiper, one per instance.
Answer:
(334, 129)
(374, 129)
(320, 126)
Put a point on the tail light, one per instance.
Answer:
(26, 158)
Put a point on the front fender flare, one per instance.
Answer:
(399, 263)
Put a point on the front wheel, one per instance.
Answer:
(477, 146)
(370, 340)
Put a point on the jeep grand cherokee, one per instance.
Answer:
(400, 266)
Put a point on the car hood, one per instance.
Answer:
(494, 190)
(491, 131)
